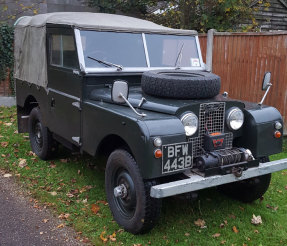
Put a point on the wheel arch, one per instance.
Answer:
(23, 112)
(110, 143)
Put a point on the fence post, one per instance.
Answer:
(209, 49)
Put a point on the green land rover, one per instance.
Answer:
(139, 93)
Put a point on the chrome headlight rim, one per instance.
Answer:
(229, 119)
(188, 131)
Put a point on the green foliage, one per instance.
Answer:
(200, 15)
(6, 52)
(132, 7)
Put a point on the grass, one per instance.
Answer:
(74, 185)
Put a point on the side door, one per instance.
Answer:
(64, 84)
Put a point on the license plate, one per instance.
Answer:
(176, 157)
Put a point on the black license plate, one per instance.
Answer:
(176, 157)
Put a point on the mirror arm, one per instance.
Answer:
(266, 92)
(131, 106)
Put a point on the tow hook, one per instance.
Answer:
(237, 171)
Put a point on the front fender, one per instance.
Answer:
(258, 131)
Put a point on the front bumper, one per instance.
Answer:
(196, 182)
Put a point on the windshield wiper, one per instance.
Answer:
(109, 64)
(179, 57)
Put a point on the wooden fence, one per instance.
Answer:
(241, 59)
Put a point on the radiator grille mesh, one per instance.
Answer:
(211, 120)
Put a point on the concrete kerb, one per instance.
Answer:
(7, 101)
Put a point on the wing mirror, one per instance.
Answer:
(266, 85)
(120, 91)
(266, 81)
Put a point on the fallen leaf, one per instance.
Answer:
(200, 223)
(241, 208)
(45, 220)
(187, 234)
(285, 187)
(280, 191)
(70, 195)
(64, 160)
(102, 202)
(64, 216)
(41, 233)
(22, 163)
(271, 207)
(7, 124)
(53, 166)
(225, 222)
(235, 229)
(113, 237)
(61, 226)
(4, 144)
(86, 240)
(223, 242)
(221, 225)
(7, 175)
(102, 237)
(85, 200)
(232, 216)
(216, 235)
(53, 193)
(95, 208)
(256, 231)
(256, 220)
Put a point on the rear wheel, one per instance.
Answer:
(40, 137)
(128, 194)
(248, 190)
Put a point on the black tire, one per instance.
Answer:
(180, 84)
(248, 190)
(40, 137)
(136, 212)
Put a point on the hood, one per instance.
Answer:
(156, 104)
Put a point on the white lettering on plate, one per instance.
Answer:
(170, 151)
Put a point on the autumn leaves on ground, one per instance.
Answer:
(73, 187)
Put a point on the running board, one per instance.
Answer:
(196, 182)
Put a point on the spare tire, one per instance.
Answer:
(180, 84)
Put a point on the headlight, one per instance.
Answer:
(190, 123)
(235, 118)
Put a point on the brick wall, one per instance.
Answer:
(5, 87)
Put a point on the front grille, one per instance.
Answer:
(211, 120)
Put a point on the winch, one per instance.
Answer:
(223, 157)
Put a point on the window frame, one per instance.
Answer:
(90, 70)
(61, 34)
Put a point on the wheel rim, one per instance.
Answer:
(126, 203)
(38, 135)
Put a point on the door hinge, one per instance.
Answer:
(77, 140)
(77, 105)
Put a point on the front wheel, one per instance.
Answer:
(128, 194)
(248, 190)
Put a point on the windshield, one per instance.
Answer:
(101, 49)
(165, 49)
(125, 49)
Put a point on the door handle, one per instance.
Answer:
(53, 102)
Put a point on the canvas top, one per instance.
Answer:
(98, 21)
